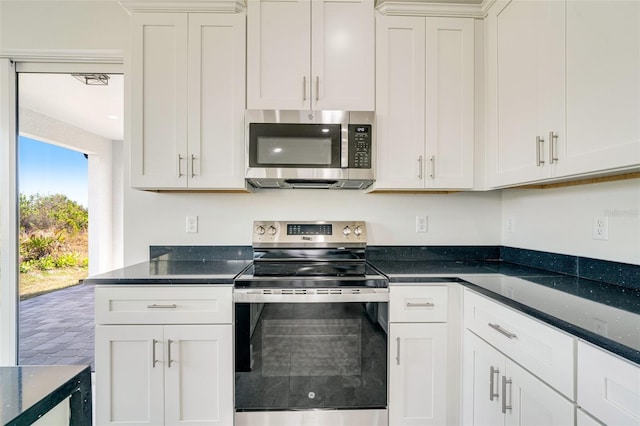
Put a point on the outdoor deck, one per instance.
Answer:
(57, 328)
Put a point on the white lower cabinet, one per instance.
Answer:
(163, 373)
(418, 356)
(608, 387)
(497, 391)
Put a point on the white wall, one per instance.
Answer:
(560, 220)
(226, 219)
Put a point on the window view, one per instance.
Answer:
(70, 140)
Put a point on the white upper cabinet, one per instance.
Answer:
(563, 89)
(187, 101)
(424, 102)
(306, 54)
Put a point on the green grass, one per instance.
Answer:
(37, 282)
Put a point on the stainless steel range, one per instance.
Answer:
(310, 327)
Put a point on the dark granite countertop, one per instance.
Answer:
(27, 393)
(174, 272)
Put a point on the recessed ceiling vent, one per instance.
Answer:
(93, 79)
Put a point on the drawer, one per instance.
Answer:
(608, 386)
(418, 303)
(163, 304)
(543, 350)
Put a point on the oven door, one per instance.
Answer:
(310, 349)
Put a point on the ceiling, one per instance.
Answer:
(96, 109)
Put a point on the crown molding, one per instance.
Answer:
(215, 6)
(434, 8)
(64, 56)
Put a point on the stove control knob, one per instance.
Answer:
(346, 230)
(260, 230)
(357, 230)
(272, 230)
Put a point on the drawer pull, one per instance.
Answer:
(493, 372)
(420, 305)
(502, 331)
(156, 306)
(506, 382)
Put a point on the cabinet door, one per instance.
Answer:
(216, 100)
(278, 54)
(199, 375)
(418, 374)
(526, 77)
(603, 86)
(450, 103)
(343, 49)
(533, 402)
(400, 102)
(483, 367)
(159, 100)
(129, 375)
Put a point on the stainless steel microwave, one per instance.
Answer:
(309, 149)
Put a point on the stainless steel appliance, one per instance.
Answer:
(307, 336)
(309, 149)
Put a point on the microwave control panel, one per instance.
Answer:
(360, 146)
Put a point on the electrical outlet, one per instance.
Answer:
(192, 224)
(511, 225)
(600, 228)
(421, 223)
(600, 327)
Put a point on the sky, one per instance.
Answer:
(48, 169)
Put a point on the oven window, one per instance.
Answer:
(313, 355)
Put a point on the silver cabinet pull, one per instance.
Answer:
(180, 158)
(506, 382)
(156, 306)
(493, 372)
(539, 147)
(553, 147)
(502, 331)
(153, 354)
(193, 159)
(398, 350)
(420, 167)
(317, 88)
(420, 305)
(169, 360)
(433, 166)
(304, 88)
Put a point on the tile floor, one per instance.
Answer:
(58, 328)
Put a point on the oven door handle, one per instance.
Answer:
(310, 295)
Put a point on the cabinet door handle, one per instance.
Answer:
(553, 147)
(433, 166)
(398, 350)
(180, 158)
(506, 382)
(539, 147)
(169, 360)
(156, 306)
(493, 372)
(420, 305)
(317, 88)
(502, 331)
(193, 159)
(420, 167)
(153, 354)
(304, 88)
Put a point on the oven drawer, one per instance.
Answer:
(544, 351)
(153, 304)
(417, 303)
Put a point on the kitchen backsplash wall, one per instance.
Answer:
(560, 220)
(471, 218)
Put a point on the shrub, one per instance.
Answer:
(52, 212)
